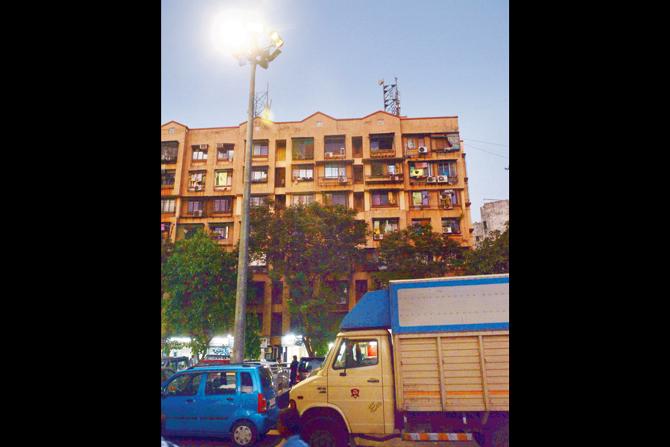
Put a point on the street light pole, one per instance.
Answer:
(243, 259)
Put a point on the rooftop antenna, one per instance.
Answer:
(391, 97)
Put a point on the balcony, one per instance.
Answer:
(385, 178)
(334, 155)
(433, 180)
(195, 213)
(335, 181)
(382, 153)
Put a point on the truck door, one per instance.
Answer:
(355, 383)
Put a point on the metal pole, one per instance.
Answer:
(243, 260)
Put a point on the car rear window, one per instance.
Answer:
(266, 377)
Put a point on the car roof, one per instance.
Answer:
(219, 367)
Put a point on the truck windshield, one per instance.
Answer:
(356, 354)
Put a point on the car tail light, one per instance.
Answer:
(262, 403)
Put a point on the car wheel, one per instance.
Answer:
(324, 432)
(244, 433)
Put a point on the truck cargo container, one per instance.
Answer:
(424, 360)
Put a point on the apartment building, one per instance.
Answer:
(393, 170)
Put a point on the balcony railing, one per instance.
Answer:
(385, 178)
(196, 213)
(334, 155)
(382, 153)
(342, 180)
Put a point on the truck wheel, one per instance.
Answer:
(244, 433)
(324, 432)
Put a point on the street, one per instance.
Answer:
(268, 441)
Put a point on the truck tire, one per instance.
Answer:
(324, 431)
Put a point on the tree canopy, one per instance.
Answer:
(491, 256)
(199, 280)
(307, 247)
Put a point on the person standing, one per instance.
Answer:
(294, 369)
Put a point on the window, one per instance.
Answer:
(167, 205)
(447, 168)
(280, 177)
(420, 198)
(451, 226)
(165, 230)
(223, 178)
(167, 177)
(257, 200)
(277, 292)
(171, 130)
(280, 146)
(454, 142)
(186, 231)
(197, 181)
(334, 147)
(196, 207)
(223, 205)
(359, 201)
(246, 384)
(381, 169)
(303, 148)
(225, 151)
(302, 199)
(335, 170)
(361, 288)
(169, 151)
(199, 152)
(221, 383)
(380, 143)
(419, 170)
(341, 290)
(356, 354)
(438, 142)
(414, 142)
(258, 290)
(358, 173)
(335, 198)
(384, 198)
(303, 172)
(259, 174)
(275, 327)
(260, 149)
(184, 385)
(448, 198)
(220, 231)
(357, 146)
(383, 226)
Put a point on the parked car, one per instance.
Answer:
(166, 373)
(280, 376)
(307, 365)
(214, 359)
(176, 363)
(236, 401)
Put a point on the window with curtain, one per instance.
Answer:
(220, 231)
(223, 205)
(256, 200)
(169, 151)
(414, 142)
(260, 149)
(259, 174)
(223, 178)
(383, 226)
(419, 169)
(167, 177)
(447, 168)
(335, 198)
(302, 199)
(381, 142)
(197, 181)
(420, 198)
(384, 198)
(199, 152)
(195, 206)
(451, 225)
(225, 151)
(334, 146)
(335, 170)
(167, 205)
(454, 142)
(303, 148)
(303, 172)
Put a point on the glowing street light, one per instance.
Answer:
(248, 40)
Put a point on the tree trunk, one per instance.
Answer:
(308, 346)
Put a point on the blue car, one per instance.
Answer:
(236, 401)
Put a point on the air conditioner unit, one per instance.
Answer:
(343, 179)
(432, 179)
(423, 150)
(442, 179)
(329, 155)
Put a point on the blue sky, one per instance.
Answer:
(450, 58)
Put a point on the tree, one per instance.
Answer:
(307, 246)
(199, 280)
(417, 252)
(492, 255)
(252, 338)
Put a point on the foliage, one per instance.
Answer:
(307, 246)
(252, 338)
(492, 255)
(199, 279)
(417, 252)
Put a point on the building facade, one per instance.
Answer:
(495, 216)
(394, 171)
